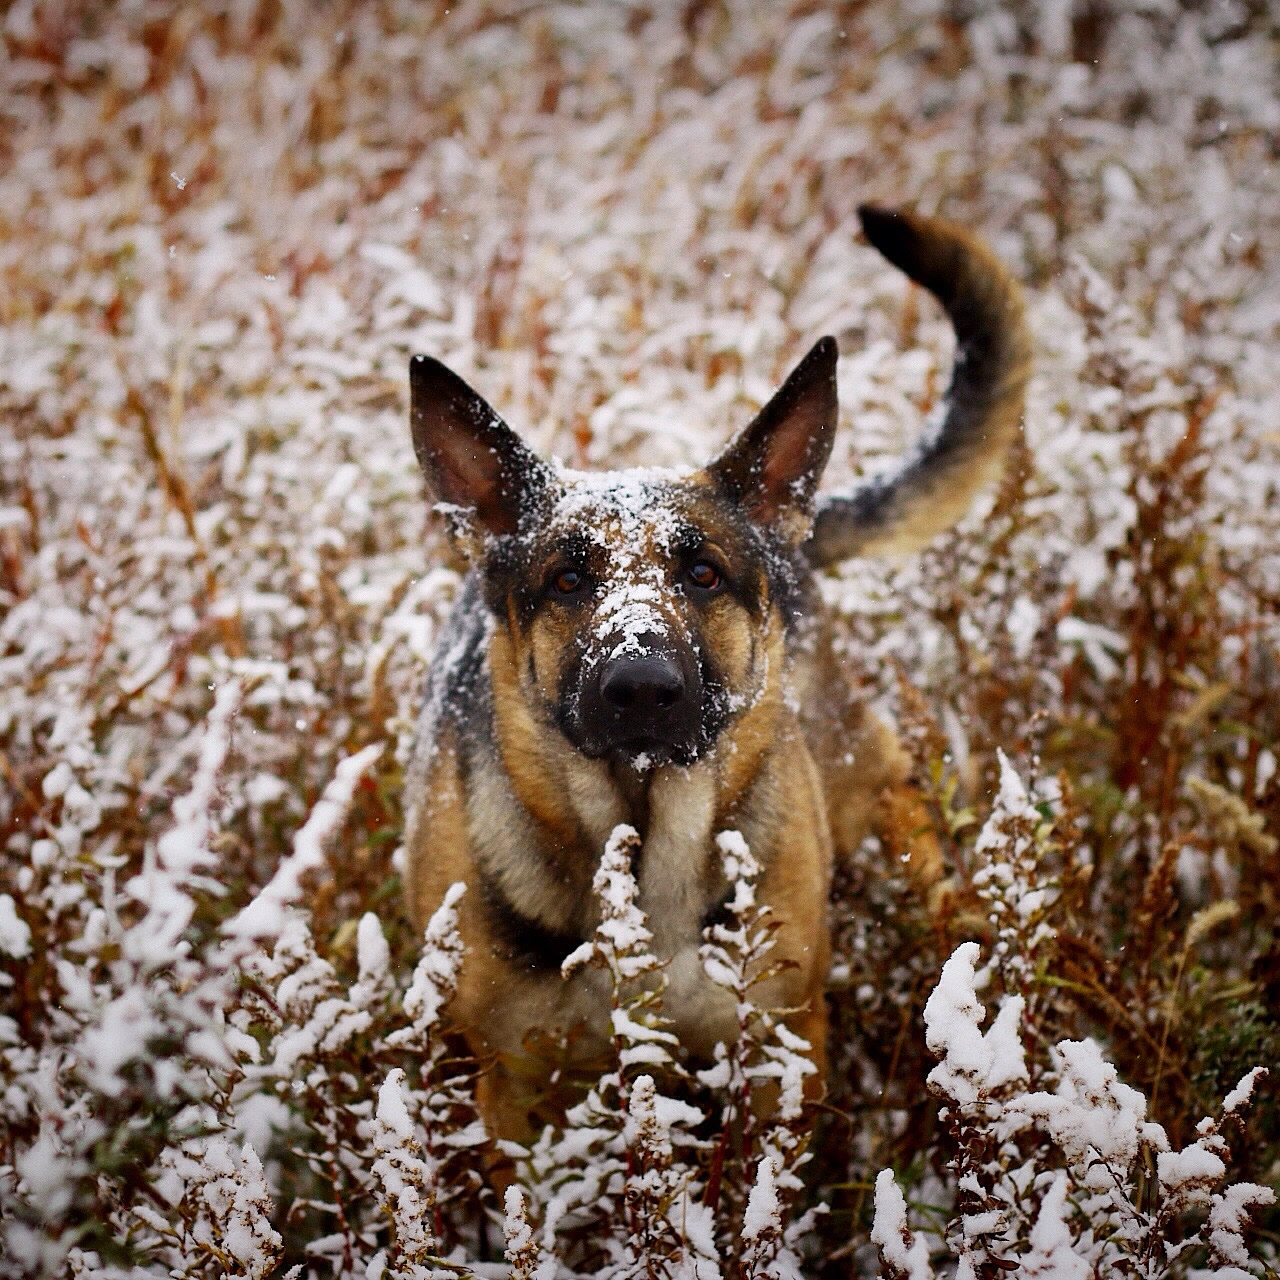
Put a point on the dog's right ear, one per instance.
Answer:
(472, 460)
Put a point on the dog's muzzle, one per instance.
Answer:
(645, 701)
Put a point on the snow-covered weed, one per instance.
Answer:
(1070, 1182)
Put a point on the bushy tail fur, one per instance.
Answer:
(935, 486)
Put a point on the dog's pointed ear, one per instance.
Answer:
(472, 460)
(773, 467)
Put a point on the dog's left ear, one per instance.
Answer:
(773, 467)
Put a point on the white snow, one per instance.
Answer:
(1097, 1119)
(1052, 1255)
(15, 933)
(906, 1255)
(1240, 1096)
(264, 915)
(762, 1212)
(975, 1064)
(391, 1108)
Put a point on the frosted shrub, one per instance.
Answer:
(220, 1209)
(384, 1163)
(766, 1061)
(163, 1053)
(905, 1255)
(133, 1038)
(527, 1260)
(619, 1174)
(1052, 1254)
(1070, 1183)
(628, 1171)
(449, 1130)
(977, 1074)
(406, 1186)
(1011, 878)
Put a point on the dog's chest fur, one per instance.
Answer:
(675, 813)
(678, 881)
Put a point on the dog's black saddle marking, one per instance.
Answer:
(532, 945)
(522, 939)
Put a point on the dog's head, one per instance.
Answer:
(642, 609)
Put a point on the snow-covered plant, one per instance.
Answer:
(654, 1195)
(761, 1076)
(1052, 1255)
(669, 1229)
(132, 1038)
(450, 1130)
(619, 1172)
(407, 1187)
(217, 1209)
(527, 1260)
(317, 1026)
(1014, 883)
(405, 1162)
(1076, 1182)
(976, 1076)
(904, 1254)
(1136, 1214)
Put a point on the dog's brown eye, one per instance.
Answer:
(567, 581)
(703, 575)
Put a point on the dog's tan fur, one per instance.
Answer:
(501, 796)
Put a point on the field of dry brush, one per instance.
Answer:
(224, 228)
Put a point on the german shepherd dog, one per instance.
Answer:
(644, 647)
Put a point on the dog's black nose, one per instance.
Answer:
(643, 701)
(651, 683)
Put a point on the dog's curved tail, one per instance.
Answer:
(934, 486)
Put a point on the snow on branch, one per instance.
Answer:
(435, 978)
(406, 1184)
(622, 938)
(264, 915)
(975, 1065)
(905, 1255)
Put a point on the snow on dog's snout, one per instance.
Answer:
(636, 687)
(632, 520)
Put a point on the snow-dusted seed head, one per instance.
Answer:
(643, 609)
